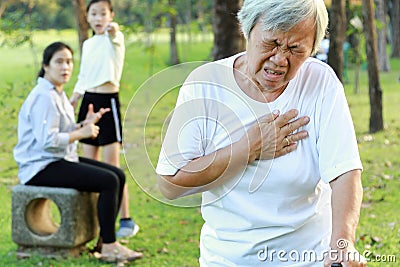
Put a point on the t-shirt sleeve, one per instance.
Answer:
(337, 144)
(80, 86)
(183, 139)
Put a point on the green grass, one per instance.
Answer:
(169, 235)
(379, 232)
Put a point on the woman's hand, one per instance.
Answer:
(94, 117)
(89, 131)
(273, 135)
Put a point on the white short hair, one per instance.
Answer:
(283, 15)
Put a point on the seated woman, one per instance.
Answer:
(46, 151)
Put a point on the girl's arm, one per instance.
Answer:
(80, 86)
(75, 99)
(112, 29)
(116, 36)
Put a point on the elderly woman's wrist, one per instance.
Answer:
(242, 148)
(342, 243)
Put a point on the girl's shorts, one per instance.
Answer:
(110, 124)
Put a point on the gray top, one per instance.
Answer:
(44, 122)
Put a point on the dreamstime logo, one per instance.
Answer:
(372, 257)
(341, 255)
(342, 243)
(294, 255)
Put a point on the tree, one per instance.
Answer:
(383, 58)
(375, 91)
(337, 36)
(80, 14)
(355, 38)
(227, 37)
(395, 18)
(3, 6)
(173, 50)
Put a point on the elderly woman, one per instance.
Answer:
(268, 138)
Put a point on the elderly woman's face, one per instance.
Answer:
(273, 58)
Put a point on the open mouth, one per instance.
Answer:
(273, 72)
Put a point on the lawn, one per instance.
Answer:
(169, 232)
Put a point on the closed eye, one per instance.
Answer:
(297, 50)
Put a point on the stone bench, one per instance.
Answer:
(34, 229)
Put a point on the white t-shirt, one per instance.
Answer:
(274, 205)
(102, 61)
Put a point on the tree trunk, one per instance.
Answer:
(3, 6)
(188, 21)
(80, 15)
(395, 18)
(383, 58)
(173, 54)
(200, 19)
(375, 91)
(227, 37)
(337, 36)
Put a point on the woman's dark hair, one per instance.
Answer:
(96, 1)
(49, 52)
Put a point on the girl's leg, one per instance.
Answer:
(127, 225)
(111, 156)
(91, 152)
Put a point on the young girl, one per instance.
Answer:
(98, 81)
(46, 151)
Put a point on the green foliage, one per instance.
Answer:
(133, 13)
(46, 14)
(169, 235)
(379, 229)
(15, 29)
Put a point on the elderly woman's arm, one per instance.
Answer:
(269, 138)
(347, 195)
(206, 172)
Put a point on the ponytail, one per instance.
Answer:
(41, 72)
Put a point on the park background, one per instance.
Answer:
(169, 234)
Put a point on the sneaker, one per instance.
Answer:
(127, 228)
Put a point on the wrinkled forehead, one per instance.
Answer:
(305, 29)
